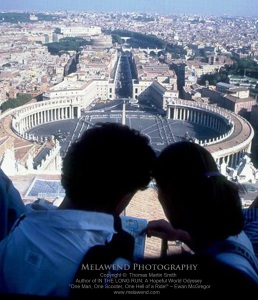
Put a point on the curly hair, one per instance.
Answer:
(108, 161)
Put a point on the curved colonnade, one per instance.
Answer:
(35, 114)
(16, 122)
(235, 133)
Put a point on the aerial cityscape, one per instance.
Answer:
(177, 71)
(167, 7)
(96, 61)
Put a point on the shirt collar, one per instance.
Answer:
(72, 219)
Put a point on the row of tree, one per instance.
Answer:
(139, 40)
(15, 17)
(240, 67)
(20, 100)
(67, 44)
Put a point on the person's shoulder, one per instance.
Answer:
(250, 214)
(40, 205)
(203, 272)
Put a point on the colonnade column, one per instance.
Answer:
(168, 113)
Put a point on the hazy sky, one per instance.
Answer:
(204, 7)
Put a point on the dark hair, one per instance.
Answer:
(108, 161)
(197, 198)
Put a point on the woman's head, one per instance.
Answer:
(194, 195)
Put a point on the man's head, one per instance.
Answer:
(107, 163)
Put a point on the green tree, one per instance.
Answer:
(176, 50)
(20, 100)
(15, 18)
(67, 44)
(116, 38)
(213, 79)
(138, 40)
(240, 67)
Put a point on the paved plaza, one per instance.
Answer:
(160, 130)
